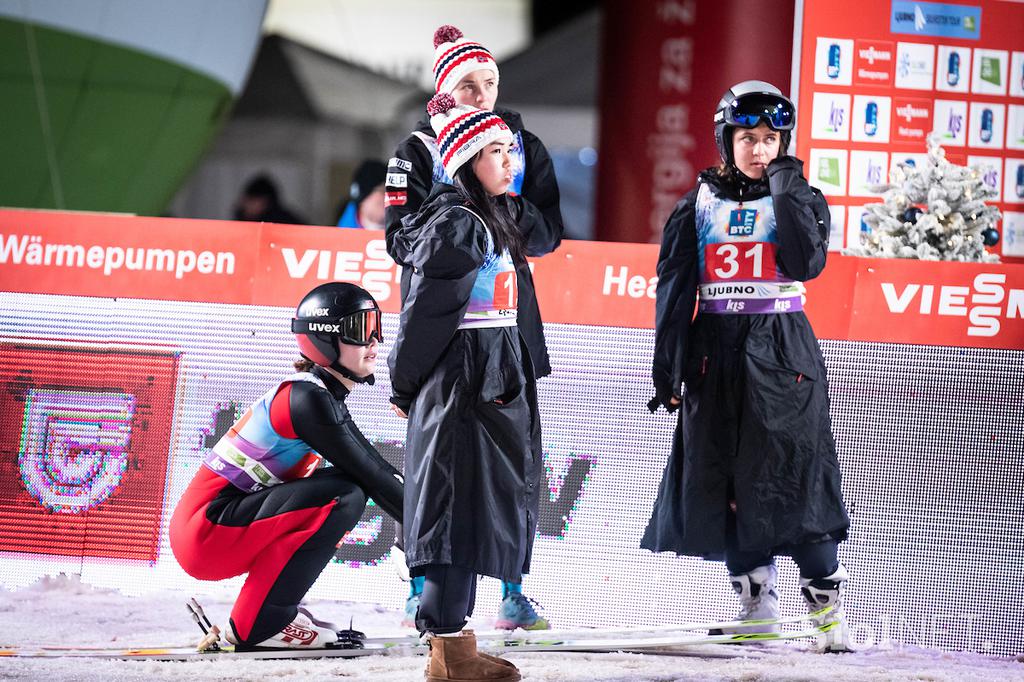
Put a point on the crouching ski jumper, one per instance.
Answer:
(264, 503)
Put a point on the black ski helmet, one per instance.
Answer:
(747, 104)
(333, 313)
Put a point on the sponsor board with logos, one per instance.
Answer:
(881, 77)
(590, 283)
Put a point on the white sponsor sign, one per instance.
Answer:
(836, 239)
(1013, 233)
(915, 66)
(989, 71)
(871, 116)
(951, 122)
(991, 169)
(866, 169)
(1016, 77)
(830, 118)
(828, 171)
(855, 226)
(1015, 127)
(953, 69)
(833, 61)
(1013, 185)
(986, 124)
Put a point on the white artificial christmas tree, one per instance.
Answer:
(934, 212)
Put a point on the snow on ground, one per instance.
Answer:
(63, 611)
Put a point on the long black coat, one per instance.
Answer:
(754, 425)
(473, 451)
(411, 176)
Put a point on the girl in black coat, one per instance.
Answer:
(753, 471)
(461, 372)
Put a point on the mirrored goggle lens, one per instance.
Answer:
(358, 328)
(750, 111)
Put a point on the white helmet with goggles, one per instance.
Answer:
(747, 105)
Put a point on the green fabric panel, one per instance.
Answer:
(127, 128)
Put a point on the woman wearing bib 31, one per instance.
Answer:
(753, 471)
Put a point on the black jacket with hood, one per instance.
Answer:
(539, 217)
(754, 424)
(473, 451)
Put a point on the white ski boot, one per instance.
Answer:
(825, 604)
(758, 600)
(304, 632)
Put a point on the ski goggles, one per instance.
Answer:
(750, 110)
(357, 329)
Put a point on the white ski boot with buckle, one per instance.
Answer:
(758, 601)
(304, 632)
(825, 606)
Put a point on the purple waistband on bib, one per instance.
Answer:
(751, 306)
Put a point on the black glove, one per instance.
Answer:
(401, 402)
(663, 396)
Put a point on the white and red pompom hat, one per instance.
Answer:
(454, 57)
(463, 130)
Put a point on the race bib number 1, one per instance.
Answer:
(506, 291)
(739, 261)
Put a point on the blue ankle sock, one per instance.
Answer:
(507, 588)
(416, 585)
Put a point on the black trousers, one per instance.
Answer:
(816, 560)
(278, 580)
(449, 594)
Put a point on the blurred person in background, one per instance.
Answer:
(365, 206)
(466, 70)
(260, 202)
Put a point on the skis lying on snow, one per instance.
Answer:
(668, 640)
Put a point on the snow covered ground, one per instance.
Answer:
(64, 611)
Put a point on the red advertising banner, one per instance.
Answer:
(665, 65)
(593, 283)
(103, 254)
(876, 78)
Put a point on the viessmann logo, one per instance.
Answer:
(372, 268)
(985, 303)
(871, 54)
(909, 112)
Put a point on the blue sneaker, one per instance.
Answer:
(412, 604)
(517, 611)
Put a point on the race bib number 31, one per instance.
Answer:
(739, 261)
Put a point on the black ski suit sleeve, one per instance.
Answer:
(540, 216)
(802, 220)
(447, 254)
(418, 181)
(676, 296)
(326, 426)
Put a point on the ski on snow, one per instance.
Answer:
(667, 639)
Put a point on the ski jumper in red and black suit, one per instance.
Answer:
(263, 503)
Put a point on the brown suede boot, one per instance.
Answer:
(495, 659)
(455, 659)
